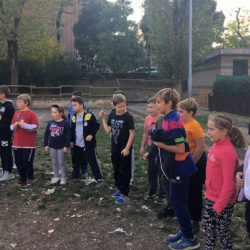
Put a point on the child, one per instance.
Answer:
(187, 110)
(57, 139)
(24, 124)
(153, 173)
(166, 101)
(221, 194)
(6, 114)
(121, 125)
(83, 129)
(70, 115)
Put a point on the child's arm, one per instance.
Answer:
(94, 127)
(46, 137)
(102, 115)
(67, 136)
(125, 151)
(143, 142)
(199, 149)
(178, 148)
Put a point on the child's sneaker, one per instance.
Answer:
(7, 176)
(122, 199)
(185, 243)
(54, 180)
(85, 175)
(99, 183)
(63, 181)
(159, 200)
(173, 238)
(30, 182)
(88, 181)
(150, 197)
(116, 194)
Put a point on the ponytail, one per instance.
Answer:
(223, 121)
(60, 109)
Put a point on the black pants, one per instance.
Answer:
(195, 189)
(88, 154)
(84, 164)
(214, 222)
(6, 155)
(122, 171)
(24, 161)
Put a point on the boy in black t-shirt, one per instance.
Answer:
(121, 125)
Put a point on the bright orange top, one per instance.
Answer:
(194, 131)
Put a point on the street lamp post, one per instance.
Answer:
(190, 50)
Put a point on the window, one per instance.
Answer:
(240, 67)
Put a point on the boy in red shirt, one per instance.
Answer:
(24, 124)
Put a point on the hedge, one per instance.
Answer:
(230, 87)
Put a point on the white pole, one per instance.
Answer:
(190, 50)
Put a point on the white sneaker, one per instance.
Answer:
(54, 180)
(7, 176)
(63, 181)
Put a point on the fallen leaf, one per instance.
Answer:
(13, 245)
(129, 244)
(56, 219)
(51, 231)
(77, 195)
(118, 209)
(78, 215)
(72, 216)
(34, 221)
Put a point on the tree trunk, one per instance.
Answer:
(181, 87)
(12, 54)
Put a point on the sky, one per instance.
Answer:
(227, 6)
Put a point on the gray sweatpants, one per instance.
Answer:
(58, 162)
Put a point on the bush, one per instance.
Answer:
(4, 72)
(232, 87)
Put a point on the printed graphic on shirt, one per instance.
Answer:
(56, 130)
(211, 158)
(116, 125)
(2, 109)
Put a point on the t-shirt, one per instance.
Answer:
(194, 131)
(120, 126)
(150, 123)
(79, 131)
(57, 134)
(174, 124)
(25, 137)
(222, 162)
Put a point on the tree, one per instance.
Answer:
(168, 34)
(237, 32)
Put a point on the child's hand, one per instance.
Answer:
(46, 148)
(65, 149)
(21, 123)
(89, 138)
(239, 179)
(15, 125)
(125, 152)
(102, 114)
(72, 144)
(142, 151)
(145, 156)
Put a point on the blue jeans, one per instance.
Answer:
(179, 201)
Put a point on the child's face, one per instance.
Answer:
(21, 104)
(120, 108)
(152, 109)
(163, 107)
(215, 134)
(185, 115)
(77, 107)
(55, 114)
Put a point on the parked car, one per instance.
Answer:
(153, 70)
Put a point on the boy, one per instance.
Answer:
(24, 124)
(121, 126)
(166, 101)
(153, 173)
(70, 115)
(6, 114)
(187, 110)
(83, 130)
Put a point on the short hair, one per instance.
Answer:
(4, 89)
(118, 92)
(118, 98)
(77, 93)
(24, 97)
(151, 100)
(78, 99)
(189, 104)
(169, 94)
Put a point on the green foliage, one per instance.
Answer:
(232, 87)
(167, 33)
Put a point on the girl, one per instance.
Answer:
(221, 193)
(57, 138)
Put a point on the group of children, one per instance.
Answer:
(176, 156)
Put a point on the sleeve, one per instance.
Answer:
(131, 124)
(228, 164)
(13, 121)
(197, 132)
(177, 131)
(7, 117)
(95, 125)
(46, 136)
(33, 124)
(67, 134)
(109, 119)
